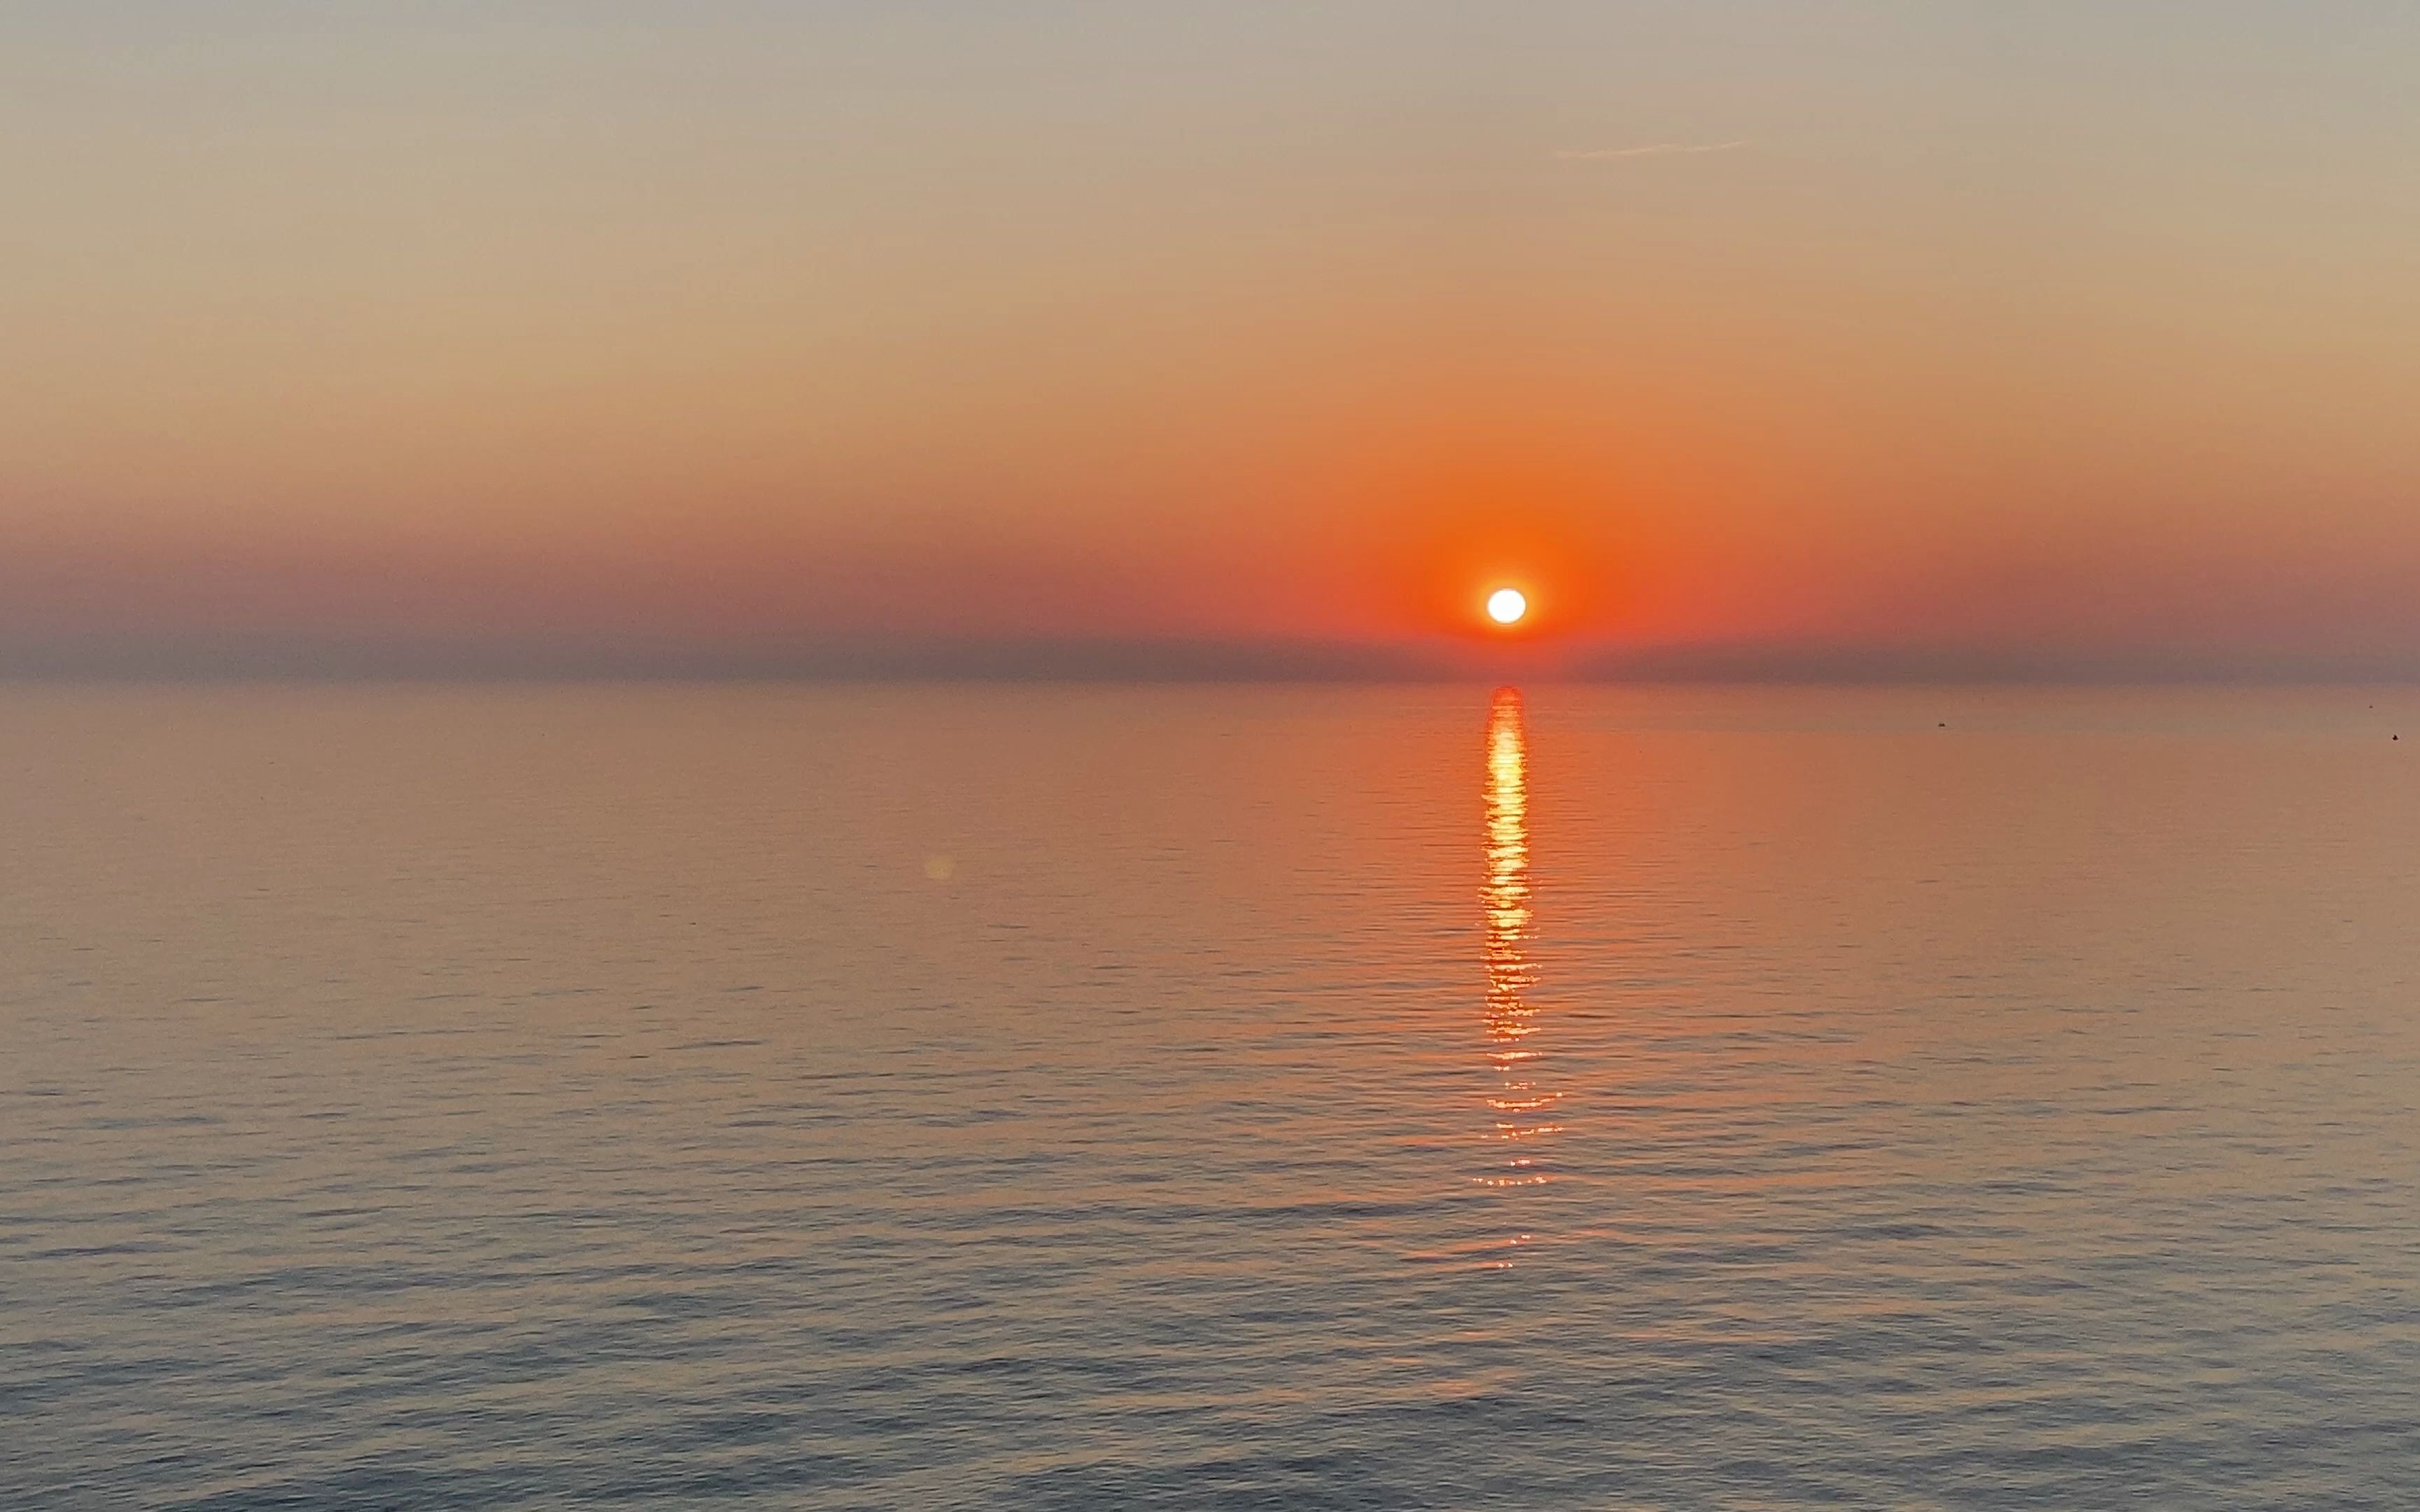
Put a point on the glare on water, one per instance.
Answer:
(1520, 1102)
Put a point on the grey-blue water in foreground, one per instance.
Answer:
(1059, 1097)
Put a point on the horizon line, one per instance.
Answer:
(305, 659)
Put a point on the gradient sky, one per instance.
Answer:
(1934, 331)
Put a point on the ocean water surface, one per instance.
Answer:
(1212, 1097)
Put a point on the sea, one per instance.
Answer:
(1033, 1096)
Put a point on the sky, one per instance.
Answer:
(733, 334)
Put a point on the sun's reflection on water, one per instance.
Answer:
(1521, 1106)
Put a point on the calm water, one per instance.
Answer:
(1056, 1098)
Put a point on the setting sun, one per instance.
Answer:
(1506, 606)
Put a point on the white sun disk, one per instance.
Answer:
(1506, 605)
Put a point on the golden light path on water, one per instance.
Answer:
(1522, 1108)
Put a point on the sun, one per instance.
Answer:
(1507, 606)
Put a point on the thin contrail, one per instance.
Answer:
(1653, 149)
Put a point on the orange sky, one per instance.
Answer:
(2089, 334)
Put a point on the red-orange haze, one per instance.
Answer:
(1024, 340)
